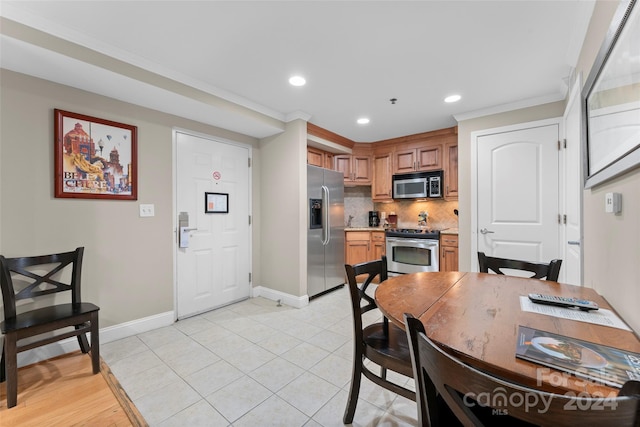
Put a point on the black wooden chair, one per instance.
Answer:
(540, 270)
(382, 343)
(436, 372)
(34, 278)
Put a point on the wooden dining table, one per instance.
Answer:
(475, 317)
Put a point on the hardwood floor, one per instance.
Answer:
(62, 392)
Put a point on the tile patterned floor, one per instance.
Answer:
(254, 364)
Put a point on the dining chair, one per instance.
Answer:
(382, 343)
(34, 279)
(549, 270)
(478, 398)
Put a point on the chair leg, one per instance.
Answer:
(82, 340)
(95, 343)
(3, 375)
(11, 369)
(354, 390)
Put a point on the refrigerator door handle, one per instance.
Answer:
(326, 226)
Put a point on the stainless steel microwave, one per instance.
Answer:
(419, 185)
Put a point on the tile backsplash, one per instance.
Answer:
(440, 213)
(358, 203)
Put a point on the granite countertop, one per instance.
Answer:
(364, 229)
(445, 231)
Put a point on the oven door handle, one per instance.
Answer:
(402, 240)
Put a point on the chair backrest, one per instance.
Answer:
(359, 292)
(464, 388)
(35, 276)
(540, 270)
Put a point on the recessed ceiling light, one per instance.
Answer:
(363, 121)
(297, 81)
(452, 98)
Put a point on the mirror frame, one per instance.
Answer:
(626, 158)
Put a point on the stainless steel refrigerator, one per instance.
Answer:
(325, 238)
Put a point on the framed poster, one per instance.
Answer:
(611, 101)
(94, 158)
(216, 203)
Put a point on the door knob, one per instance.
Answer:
(485, 231)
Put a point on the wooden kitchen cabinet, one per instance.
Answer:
(328, 161)
(315, 157)
(448, 252)
(378, 247)
(382, 172)
(358, 246)
(362, 246)
(320, 158)
(355, 167)
(418, 157)
(451, 171)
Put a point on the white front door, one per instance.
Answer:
(571, 271)
(213, 269)
(517, 193)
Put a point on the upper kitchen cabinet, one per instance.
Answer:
(451, 171)
(355, 167)
(418, 157)
(320, 158)
(323, 146)
(382, 171)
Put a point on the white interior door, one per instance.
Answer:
(213, 269)
(517, 195)
(571, 271)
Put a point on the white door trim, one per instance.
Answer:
(473, 255)
(174, 203)
(574, 96)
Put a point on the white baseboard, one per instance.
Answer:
(108, 334)
(272, 294)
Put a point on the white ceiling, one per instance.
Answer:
(355, 55)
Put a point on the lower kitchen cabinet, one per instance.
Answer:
(378, 247)
(364, 246)
(448, 252)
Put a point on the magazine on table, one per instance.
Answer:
(595, 362)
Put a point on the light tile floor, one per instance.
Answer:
(254, 364)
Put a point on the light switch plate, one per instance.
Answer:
(613, 203)
(147, 210)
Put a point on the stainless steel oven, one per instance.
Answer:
(412, 251)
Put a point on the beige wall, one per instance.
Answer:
(611, 243)
(128, 269)
(283, 213)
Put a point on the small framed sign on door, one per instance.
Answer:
(216, 202)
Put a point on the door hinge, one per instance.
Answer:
(564, 218)
(564, 141)
(249, 219)
(559, 145)
(249, 277)
(249, 161)
(559, 219)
